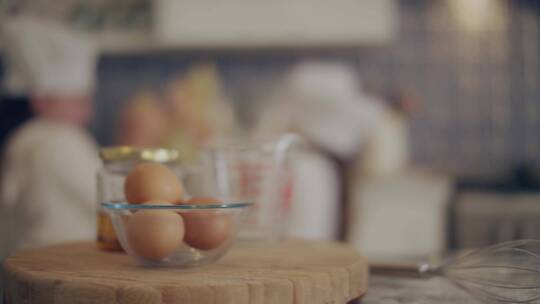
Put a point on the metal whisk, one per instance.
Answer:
(508, 272)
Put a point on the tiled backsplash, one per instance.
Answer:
(479, 92)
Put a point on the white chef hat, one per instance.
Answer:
(47, 58)
(325, 81)
(329, 106)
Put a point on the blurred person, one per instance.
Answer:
(198, 112)
(324, 102)
(48, 187)
(332, 111)
(142, 122)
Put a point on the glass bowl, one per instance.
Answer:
(208, 231)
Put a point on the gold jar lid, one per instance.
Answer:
(120, 153)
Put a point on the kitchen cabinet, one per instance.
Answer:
(268, 24)
(245, 24)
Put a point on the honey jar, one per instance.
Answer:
(118, 161)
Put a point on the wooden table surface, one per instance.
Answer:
(294, 271)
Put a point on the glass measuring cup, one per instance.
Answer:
(255, 172)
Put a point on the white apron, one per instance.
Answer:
(48, 186)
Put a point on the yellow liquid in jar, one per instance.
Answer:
(106, 237)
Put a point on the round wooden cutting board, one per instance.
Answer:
(294, 271)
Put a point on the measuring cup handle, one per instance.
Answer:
(284, 145)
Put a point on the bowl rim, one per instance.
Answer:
(127, 206)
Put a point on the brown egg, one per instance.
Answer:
(206, 229)
(155, 234)
(203, 200)
(152, 182)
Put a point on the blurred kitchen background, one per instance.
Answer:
(461, 156)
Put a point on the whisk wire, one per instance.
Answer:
(496, 284)
(506, 273)
(492, 296)
(489, 266)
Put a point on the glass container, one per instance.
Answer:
(187, 254)
(117, 163)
